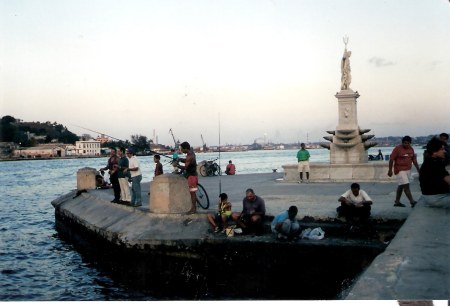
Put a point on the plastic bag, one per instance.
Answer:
(313, 234)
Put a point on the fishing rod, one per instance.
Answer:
(99, 133)
(220, 180)
(151, 151)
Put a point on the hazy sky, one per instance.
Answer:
(262, 69)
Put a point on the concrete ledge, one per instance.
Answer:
(323, 172)
(415, 265)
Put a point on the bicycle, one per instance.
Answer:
(202, 197)
(210, 168)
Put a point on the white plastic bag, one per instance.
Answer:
(313, 234)
(305, 233)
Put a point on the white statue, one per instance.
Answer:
(346, 77)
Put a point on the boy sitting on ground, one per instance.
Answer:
(219, 220)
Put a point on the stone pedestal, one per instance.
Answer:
(169, 194)
(348, 144)
(86, 178)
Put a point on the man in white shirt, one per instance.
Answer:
(355, 204)
(136, 178)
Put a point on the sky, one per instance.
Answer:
(230, 71)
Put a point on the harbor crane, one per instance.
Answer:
(177, 143)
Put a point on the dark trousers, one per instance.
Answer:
(116, 187)
(351, 212)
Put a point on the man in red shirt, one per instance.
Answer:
(402, 158)
(230, 169)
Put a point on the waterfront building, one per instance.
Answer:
(40, 152)
(87, 148)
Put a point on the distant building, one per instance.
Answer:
(87, 148)
(40, 152)
(102, 138)
(6, 149)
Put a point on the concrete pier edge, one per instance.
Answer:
(415, 264)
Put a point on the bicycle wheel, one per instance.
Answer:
(202, 197)
(216, 169)
(202, 170)
(209, 171)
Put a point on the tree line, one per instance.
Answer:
(30, 134)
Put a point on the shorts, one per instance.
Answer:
(403, 177)
(192, 183)
(303, 166)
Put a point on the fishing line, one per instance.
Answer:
(220, 179)
(99, 133)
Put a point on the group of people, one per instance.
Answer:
(355, 204)
(433, 174)
(434, 179)
(123, 166)
(251, 218)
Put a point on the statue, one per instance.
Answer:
(346, 77)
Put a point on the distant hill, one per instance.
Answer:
(31, 133)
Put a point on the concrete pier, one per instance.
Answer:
(413, 266)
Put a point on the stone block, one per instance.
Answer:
(341, 173)
(169, 194)
(86, 178)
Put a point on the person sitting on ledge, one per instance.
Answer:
(230, 169)
(219, 220)
(285, 225)
(252, 216)
(355, 205)
(434, 179)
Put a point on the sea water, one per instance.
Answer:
(36, 265)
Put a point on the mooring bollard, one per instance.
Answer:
(86, 178)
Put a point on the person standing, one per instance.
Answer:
(303, 163)
(401, 159)
(230, 169)
(136, 178)
(253, 211)
(158, 166)
(285, 224)
(355, 204)
(379, 155)
(190, 172)
(123, 175)
(112, 166)
(434, 178)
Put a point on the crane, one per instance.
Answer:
(176, 142)
(204, 144)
